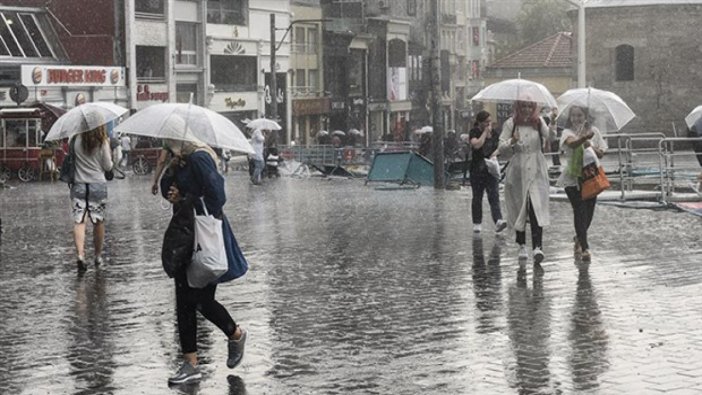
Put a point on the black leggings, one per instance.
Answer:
(583, 211)
(188, 301)
(536, 230)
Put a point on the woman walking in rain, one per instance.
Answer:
(89, 190)
(577, 137)
(526, 179)
(484, 145)
(193, 175)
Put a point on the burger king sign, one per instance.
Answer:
(42, 75)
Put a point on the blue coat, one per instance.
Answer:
(199, 178)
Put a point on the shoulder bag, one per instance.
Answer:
(68, 167)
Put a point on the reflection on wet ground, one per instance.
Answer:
(354, 290)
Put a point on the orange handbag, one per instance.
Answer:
(594, 181)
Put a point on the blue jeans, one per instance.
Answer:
(479, 182)
(258, 170)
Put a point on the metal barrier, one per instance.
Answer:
(673, 172)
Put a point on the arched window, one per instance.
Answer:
(624, 67)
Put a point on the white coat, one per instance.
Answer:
(526, 175)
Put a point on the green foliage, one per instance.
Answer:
(539, 19)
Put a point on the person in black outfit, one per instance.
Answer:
(484, 145)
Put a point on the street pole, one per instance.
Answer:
(581, 44)
(273, 84)
(437, 118)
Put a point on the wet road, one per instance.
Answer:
(354, 290)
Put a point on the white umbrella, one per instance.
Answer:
(516, 89)
(338, 133)
(184, 121)
(322, 133)
(693, 116)
(84, 118)
(263, 124)
(424, 129)
(356, 132)
(606, 111)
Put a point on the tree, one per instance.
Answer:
(539, 19)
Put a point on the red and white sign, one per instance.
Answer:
(43, 75)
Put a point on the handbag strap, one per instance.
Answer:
(204, 207)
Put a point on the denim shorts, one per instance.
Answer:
(88, 199)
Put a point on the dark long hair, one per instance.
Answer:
(94, 139)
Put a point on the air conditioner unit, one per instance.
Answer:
(383, 4)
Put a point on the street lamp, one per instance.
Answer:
(274, 48)
(581, 41)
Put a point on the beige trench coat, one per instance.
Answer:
(526, 175)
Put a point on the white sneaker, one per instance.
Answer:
(500, 225)
(476, 228)
(538, 256)
(523, 253)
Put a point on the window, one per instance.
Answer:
(624, 67)
(149, 7)
(186, 43)
(151, 63)
(299, 44)
(313, 80)
(312, 40)
(233, 73)
(21, 36)
(229, 12)
(411, 7)
(300, 80)
(183, 92)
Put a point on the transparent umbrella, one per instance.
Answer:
(263, 124)
(183, 121)
(607, 111)
(516, 89)
(424, 129)
(693, 116)
(338, 133)
(83, 118)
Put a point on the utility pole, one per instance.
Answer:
(437, 142)
(273, 84)
(582, 80)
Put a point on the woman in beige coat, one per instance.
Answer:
(526, 178)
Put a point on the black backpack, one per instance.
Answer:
(68, 168)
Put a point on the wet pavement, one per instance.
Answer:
(354, 290)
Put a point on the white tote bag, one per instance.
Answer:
(209, 260)
(493, 167)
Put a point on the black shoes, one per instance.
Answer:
(82, 267)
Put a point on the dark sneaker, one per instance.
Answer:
(186, 374)
(538, 256)
(586, 256)
(81, 265)
(236, 350)
(500, 225)
(98, 260)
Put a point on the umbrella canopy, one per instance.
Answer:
(338, 133)
(184, 121)
(424, 129)
(322, 133)
(356, 132)
(693, 116)
(607, 111)
(263, 124)
(83, 118)
(516, 89)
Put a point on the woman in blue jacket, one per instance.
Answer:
(191, 176)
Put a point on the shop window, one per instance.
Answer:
(154, 7)
(233, 73)
(299, 40)
(411, 7)
(624, 67)
(186, 43)
(300, 80)
(397, 53)
(151, 63)
(312, 39)
(184, 91)
(313, 80)
(228, 12)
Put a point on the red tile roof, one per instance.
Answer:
(554, 51)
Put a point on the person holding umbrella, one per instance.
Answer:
(93, 158)
(193, 175)
(577, 136)
(526, 178)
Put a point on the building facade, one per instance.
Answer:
(647, 52)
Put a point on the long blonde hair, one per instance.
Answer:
(93, 139)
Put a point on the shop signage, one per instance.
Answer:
(311, 106)
(144, 93)
(39, 75)
(229, 102)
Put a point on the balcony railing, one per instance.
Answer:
(305, 91)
